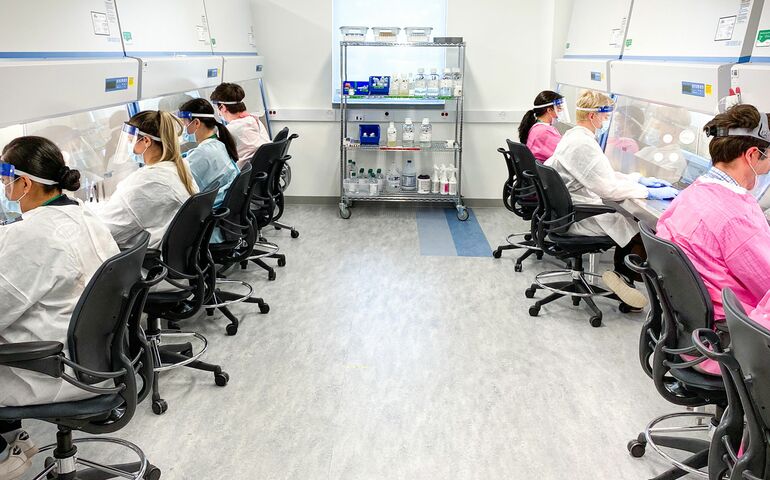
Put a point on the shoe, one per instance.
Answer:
(15, 465)
(25, 444)
(624, 290)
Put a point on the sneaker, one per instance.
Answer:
(624, 290)
(25, 444)
(15, 465)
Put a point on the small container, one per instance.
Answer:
(354, 34)
(379, 85)
(418, 34)
(423, 184)
(369, 134)
(386, 34)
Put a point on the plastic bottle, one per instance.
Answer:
(407, 137)
(447, 84)
(457, 82)
(453, 181)
(394, 86)
(435, 185)
(444, 181)
(353, 183)
(433, 84)
(380, 181)
(394, 179)
(403, 87)
(392, 135)
(409, 177)
(420, 83)
(363, 182)
(426, 133)
(373, 185)
(349, 169)
(410, 86)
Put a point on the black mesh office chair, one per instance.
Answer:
(679, 305)
(104, 323)
(558, 215)
(519, 197)
(284, 179)
(745, 367)
(263, 161)
(190, 284)
(236, 229)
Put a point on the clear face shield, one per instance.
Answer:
(188, 140)
(9, 210)
(562, 114)
(125, 156)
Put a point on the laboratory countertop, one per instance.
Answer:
(646, 210)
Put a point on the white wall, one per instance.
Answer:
(511, 45)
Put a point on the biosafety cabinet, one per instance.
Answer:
(753, 78)
(597, 34)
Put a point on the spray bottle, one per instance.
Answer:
(444, 181)
(435, 185)
(453, 181)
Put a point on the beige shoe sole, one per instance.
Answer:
(628, 295)
(19, 471)
(26, 446)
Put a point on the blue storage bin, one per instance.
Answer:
(360, 87)
(369, 134)
(379, 85)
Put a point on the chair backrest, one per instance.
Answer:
(750, 345)
(509, 182)
(96, 335)
(281, 135)
(290, 139)
(266, 155)
(523, 196)
(237, 203)
(557, 201)
(680, 290)
(523, 159)
(188, 232)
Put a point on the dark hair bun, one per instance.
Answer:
(70, 179)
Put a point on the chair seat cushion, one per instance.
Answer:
(581, 242)
(167, 297)
(91, 407)
(694, 379)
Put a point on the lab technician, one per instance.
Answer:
(149, 198)
(536, 129)
(590, 179)
(49, 258)
(247, 129)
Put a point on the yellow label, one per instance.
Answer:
(130, 81)
(709, 89)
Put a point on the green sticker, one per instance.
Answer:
(763, 38)
(213, 41)
(629, 42)
(127, 36)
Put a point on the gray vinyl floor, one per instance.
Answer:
(378, 363)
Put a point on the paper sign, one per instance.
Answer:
(202, 36)
(100, 23)
(763, 38)
(725, 28)
(616, 37)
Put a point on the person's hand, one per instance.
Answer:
(653, 182)
(661, 193)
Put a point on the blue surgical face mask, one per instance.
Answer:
(652, 137)
(138, 158)
(604, 128)
(188, 137)
(10, 206)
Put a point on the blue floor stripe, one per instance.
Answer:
(434, 234)
(468, 237)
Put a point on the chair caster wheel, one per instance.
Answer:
(517, 268)
(539, 255)
(596, 321)
(534, 310)
(152, 473)
(576, 301)
(51, 475)
(624, 308)
(271, 276)
(231, 329)
(529, 293)
(159, 407)
(281, 262)
(345, 213)
(294, 234)
(497, 253)
(264, 308)
(221, 379)
(528, 237)
(636, 448)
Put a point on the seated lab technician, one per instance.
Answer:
(148, 198)
(49, 258)
(717, 221)
(590, 178)
(536, 129)
(247, 129)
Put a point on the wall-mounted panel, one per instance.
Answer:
(583, 73)
(164, 27)
(597, 29)
(761, 49)
(238, 68)
(50, 88)
(168, 75)
(230, 26)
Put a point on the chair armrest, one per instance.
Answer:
(27, 351)
(583, 211)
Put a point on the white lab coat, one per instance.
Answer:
(249, 134)
(148, 199)
(48, 258)
(589, 177)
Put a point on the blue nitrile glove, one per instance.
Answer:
(662, 193)
(653, 182)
